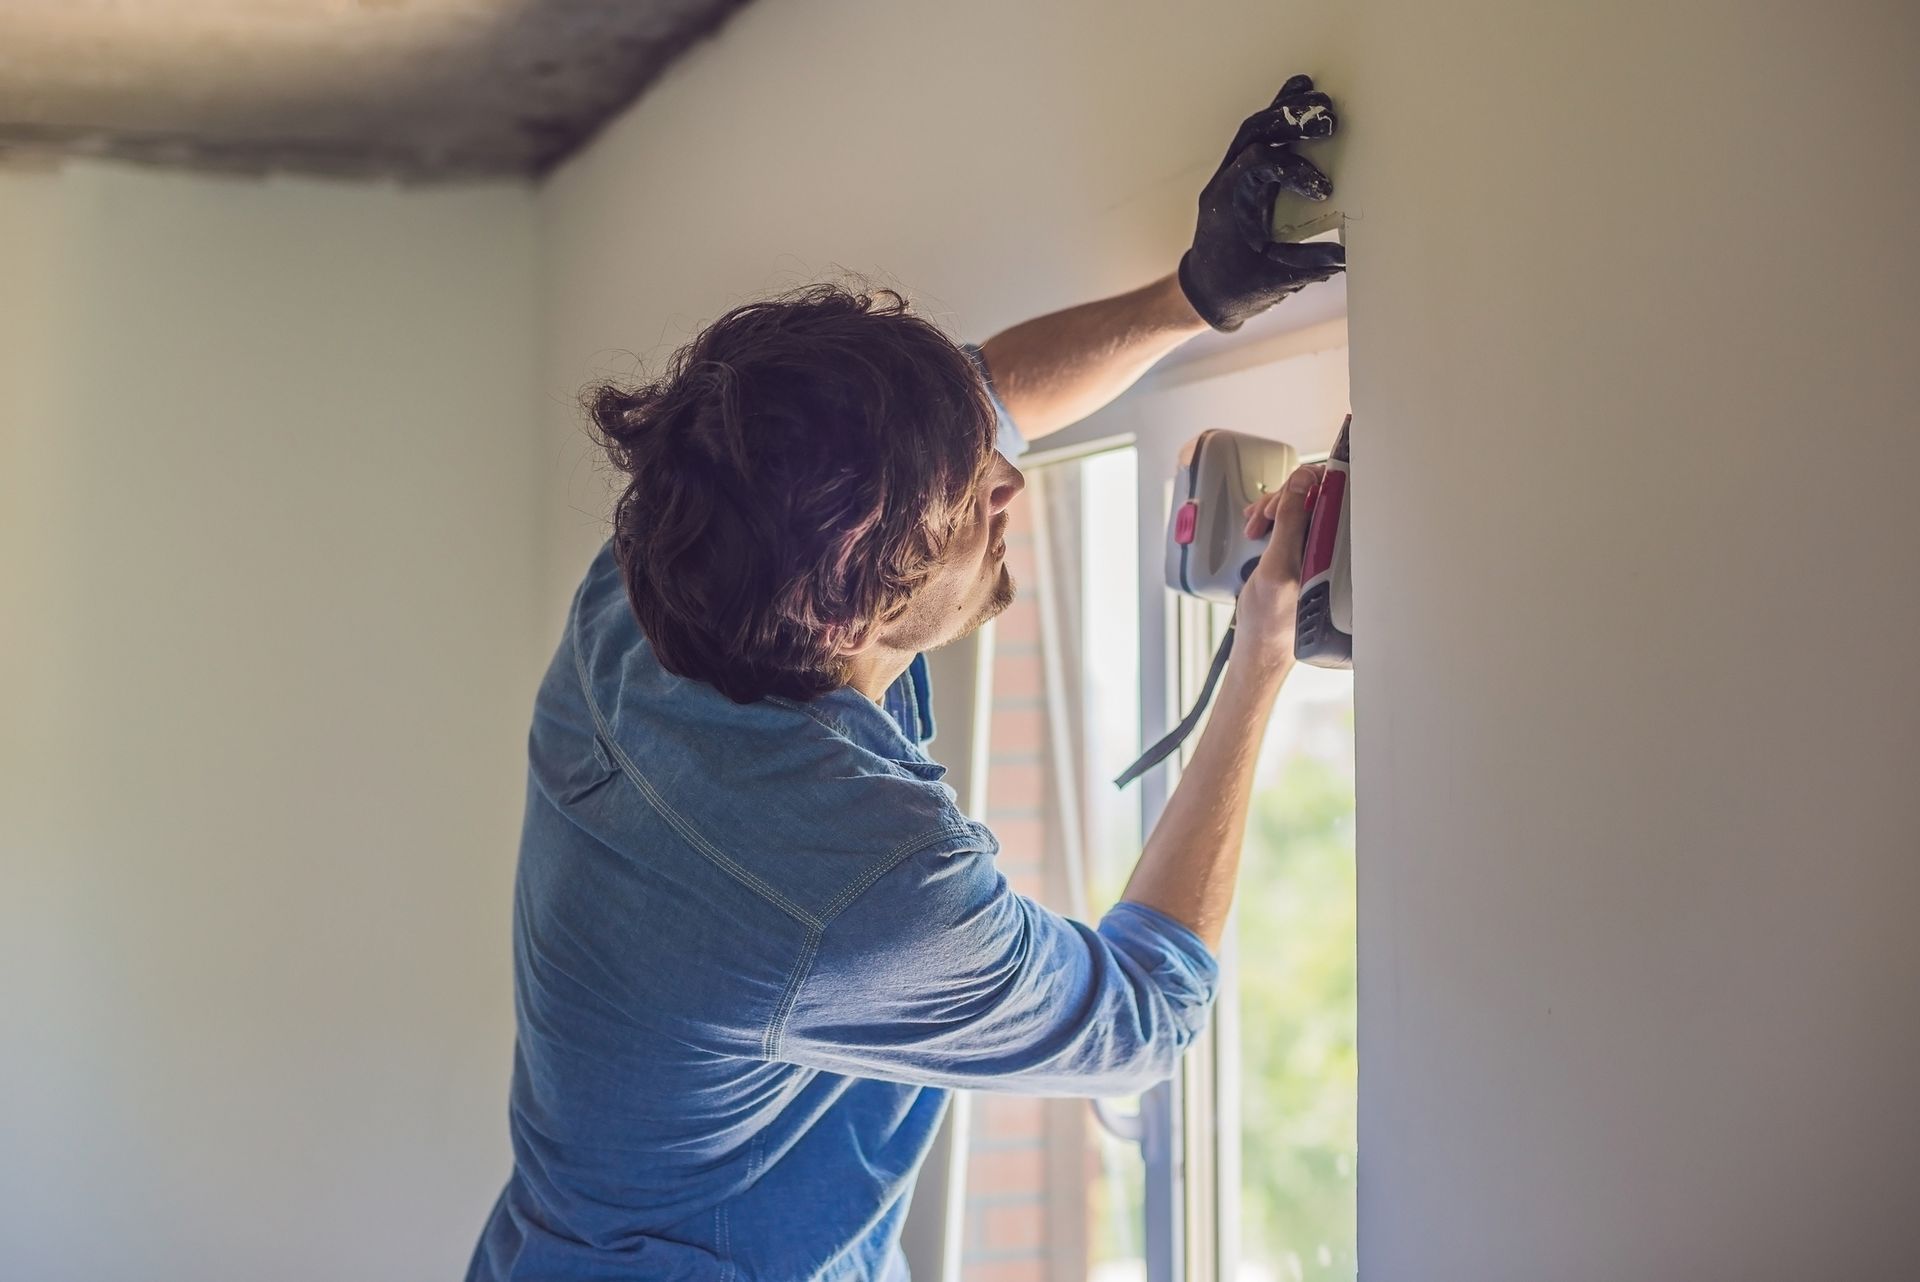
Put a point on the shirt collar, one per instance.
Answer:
(854, 717)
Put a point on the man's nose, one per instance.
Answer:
(1008, 481)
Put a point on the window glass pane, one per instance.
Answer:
(1296, 992)
(1110, 595)
(1110, 648)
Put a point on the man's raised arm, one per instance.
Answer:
(1059, 368)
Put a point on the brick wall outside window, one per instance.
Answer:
(1026, 1201)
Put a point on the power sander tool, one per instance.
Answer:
(1209, 555)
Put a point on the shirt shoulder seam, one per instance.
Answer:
(810, 950)
(893, 859)
(678, 822)
(777, 1022)
(719, 858)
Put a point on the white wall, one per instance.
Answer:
(1639, 716)
(1632, 323)
(268, 508)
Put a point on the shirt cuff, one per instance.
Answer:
(1007, 433)
(1181, 965)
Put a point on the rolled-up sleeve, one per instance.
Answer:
(939, 974)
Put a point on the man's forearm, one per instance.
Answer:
(1059, 368)
(1192, 859)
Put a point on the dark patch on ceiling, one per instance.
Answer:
(418, 90)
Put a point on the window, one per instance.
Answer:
(1244, 1168)
(1284, 1035)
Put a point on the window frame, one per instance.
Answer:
(1178, 1127)
(1189, 1127)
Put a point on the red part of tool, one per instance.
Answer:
(1183, 522)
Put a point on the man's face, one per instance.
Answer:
(970, 584)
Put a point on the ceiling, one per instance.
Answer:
(419, 90)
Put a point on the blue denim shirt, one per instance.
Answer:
(754, 946)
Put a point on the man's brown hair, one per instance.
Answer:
(790, 481)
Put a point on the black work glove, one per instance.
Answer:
(1236, 269)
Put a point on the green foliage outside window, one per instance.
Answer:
(1297, 1027)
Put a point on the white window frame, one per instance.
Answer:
(1189, 1127)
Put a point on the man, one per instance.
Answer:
(756, 943)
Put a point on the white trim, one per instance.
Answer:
(1060, 451)
(980, 747)
(1323, 336)
(1053, 684)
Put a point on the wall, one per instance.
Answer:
(268, 511)
(1632, 320)
(1638, 717)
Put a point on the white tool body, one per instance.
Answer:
(1220, 473)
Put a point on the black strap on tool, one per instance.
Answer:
(1159, 752)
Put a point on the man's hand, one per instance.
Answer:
(1235, 269)
(1192, 858)
(1059, 368)
(1264, 616)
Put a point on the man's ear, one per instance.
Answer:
(851, 639)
